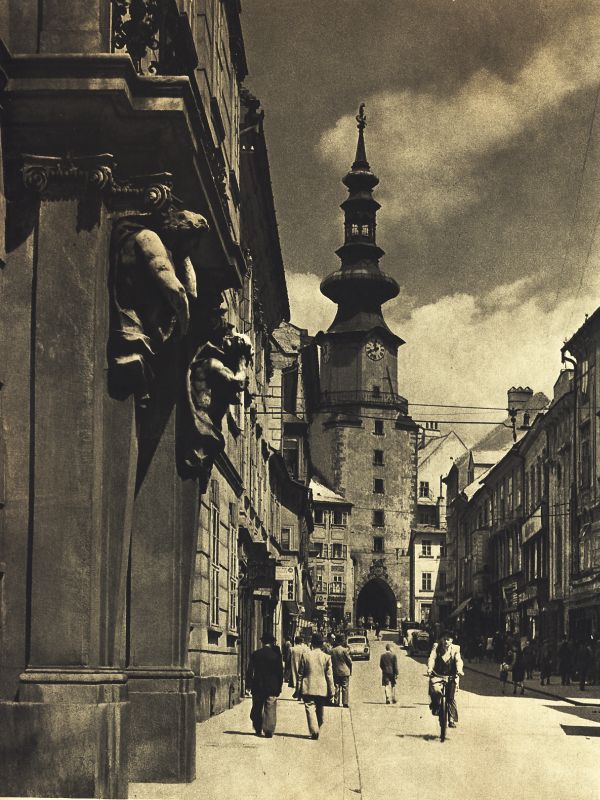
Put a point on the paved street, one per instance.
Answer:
(504, 747)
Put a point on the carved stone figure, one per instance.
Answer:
(152, 279)
(216, 379)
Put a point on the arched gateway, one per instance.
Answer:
(377, 600)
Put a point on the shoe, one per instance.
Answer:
(451, 724)
(387, 702)
(394, 700)
(346, 705)
(314, 736)
(268, 735)
(257, 733)
(522, 691)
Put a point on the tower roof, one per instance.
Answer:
(359, 286)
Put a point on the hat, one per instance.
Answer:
(267, 638)
(448, 634)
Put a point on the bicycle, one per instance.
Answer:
(444, 709)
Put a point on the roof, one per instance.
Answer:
(323, 494)
(436, 442)
(471, 490)
(290, 337)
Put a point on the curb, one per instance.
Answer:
(570, 700)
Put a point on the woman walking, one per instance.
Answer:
(517, 667)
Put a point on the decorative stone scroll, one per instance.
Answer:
(216, 379)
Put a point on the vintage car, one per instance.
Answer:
(359, 647)
(419, 643)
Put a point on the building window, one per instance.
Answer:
(339, 551)
(425, 612)
(378, 430)
(319, 579)
(378, 544)
(426, 581)
(286, 535)
(378, 457)
(583, 376)
(584, 457)
(339, 518)
(376, 391)
(232, 623)
(214, 564)
(423, 488)
(321, 549)
(426, 547)
(355, 230)
(291, 456)
(378, 487)
(319, 516)
(443, 550)
(378, 518)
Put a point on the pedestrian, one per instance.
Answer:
(584, 660)
(564, 662)
(545, 665)
(528, 659)
(264, 677)
(517, 668)
(370, 622)
(316, 683)
(341, 663)
(489, 648)
(504, 668)
(297, 651)
(377, 630)
(388, 664)
(387, 621)
(287, 649)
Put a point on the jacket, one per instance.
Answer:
(316, 674)
(265, 672)
(297, 651)
(388, 664)
(341, 662)
(452, 655)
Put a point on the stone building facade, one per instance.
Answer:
(136, 282)
(363, 442)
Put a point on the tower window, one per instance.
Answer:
(355, 230)
(378, 518)
(378, 429)
(378, 487)
(378, 544)
(378, 457)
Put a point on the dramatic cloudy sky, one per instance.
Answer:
(482, 131)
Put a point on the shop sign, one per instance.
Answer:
(532, 526)
(284, 573)
(262, 593)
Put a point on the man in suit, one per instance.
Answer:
(298, 650)
(265, 678)
(316, 683)
(388, 664)
(342, 669)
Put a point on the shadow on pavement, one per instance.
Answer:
(426, 737)
(240, 733)
(581, 730)
(582, 712)
(293, 735)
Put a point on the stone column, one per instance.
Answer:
(161, 684)
(66, 733)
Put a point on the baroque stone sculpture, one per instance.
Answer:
(216, 379)
(152, 279)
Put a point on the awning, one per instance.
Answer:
(460, 607)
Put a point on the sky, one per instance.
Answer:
(484, 129)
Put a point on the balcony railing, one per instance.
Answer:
(338, 589)
(367, 397)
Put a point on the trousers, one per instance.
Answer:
(342, 689)
(435, 693)
(313, 705)
(263, 713)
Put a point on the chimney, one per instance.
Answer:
(518, 397)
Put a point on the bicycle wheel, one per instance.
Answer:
(443, 717)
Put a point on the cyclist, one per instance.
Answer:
(444, 662)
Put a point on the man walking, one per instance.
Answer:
(297, 651)
(316, 683)
(388, 663)
(342, 669)
(264, 677)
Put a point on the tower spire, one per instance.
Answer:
(360, 162)
(359, 287)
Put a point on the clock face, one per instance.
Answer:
(374, 349)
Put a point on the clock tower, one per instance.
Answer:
(363, 443)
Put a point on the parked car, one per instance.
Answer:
(359, 648)
(419, 643)
(404, 631)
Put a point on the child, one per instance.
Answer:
(504, 668)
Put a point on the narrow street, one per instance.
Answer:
(503, 747)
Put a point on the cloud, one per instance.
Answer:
(467, 350)
(430, 149)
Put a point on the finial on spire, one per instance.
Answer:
(361, 118)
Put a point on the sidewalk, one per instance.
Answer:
(234, 764)
(570, 694)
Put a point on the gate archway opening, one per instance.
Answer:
(377, 600)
